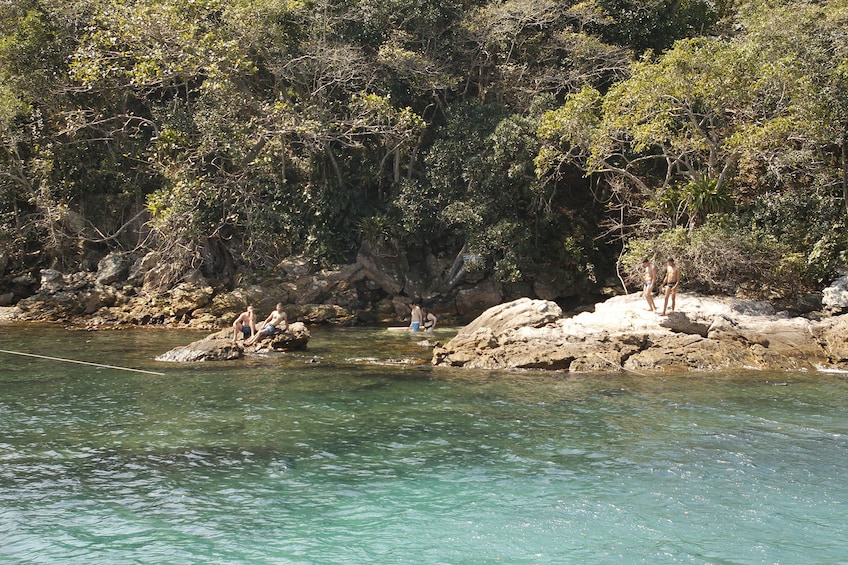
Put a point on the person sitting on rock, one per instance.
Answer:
(275, 320)
(245, 324)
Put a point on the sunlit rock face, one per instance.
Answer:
(621, 334)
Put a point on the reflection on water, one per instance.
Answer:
(358, 451)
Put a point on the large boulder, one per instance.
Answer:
(835, 297)
(211, 348)
(832, 335)
(220, 346)
(114, 267)
(386, 267)
(296, 336)
(187, 297)
(622, 335)
(520, 313)
(51, 281)
(138, 271)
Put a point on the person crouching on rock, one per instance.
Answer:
(276, 320)
(245, 324)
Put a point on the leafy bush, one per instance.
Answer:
(810, 222)
(720, 258)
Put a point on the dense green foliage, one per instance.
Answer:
(539, 135)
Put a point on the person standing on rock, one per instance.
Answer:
(245, 324)
(671, 282)
(650, 282)
(275, 320)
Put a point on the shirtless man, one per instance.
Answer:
(671, 282)
(417, 317)
(275, 320)
(245, 324)
(650, 281)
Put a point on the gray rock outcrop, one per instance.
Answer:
(113, 268)
(835, 296)
(211, 348)
(705, 333)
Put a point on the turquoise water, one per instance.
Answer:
(357, 452)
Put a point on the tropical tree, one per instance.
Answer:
(708, 126)
(520, 49)
(41, 173)
(655, 25)
(812, 38)
(677, 128)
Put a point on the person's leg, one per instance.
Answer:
(673, 296)
(649, 297)
(665, 301)
(236, 330)
(264, 332)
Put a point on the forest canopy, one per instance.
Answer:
(539, 136)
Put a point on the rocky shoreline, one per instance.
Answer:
(125, 290)
(619, 334)
(704, 334)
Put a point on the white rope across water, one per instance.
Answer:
(81, 362)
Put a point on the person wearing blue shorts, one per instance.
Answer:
(275, 320)
(417, 317)
(245, 324)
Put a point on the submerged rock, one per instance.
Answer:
(705, 333)
(221, 347)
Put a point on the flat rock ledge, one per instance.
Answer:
(705, 333)
(220, 346)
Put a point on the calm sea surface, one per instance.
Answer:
(357, 452)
